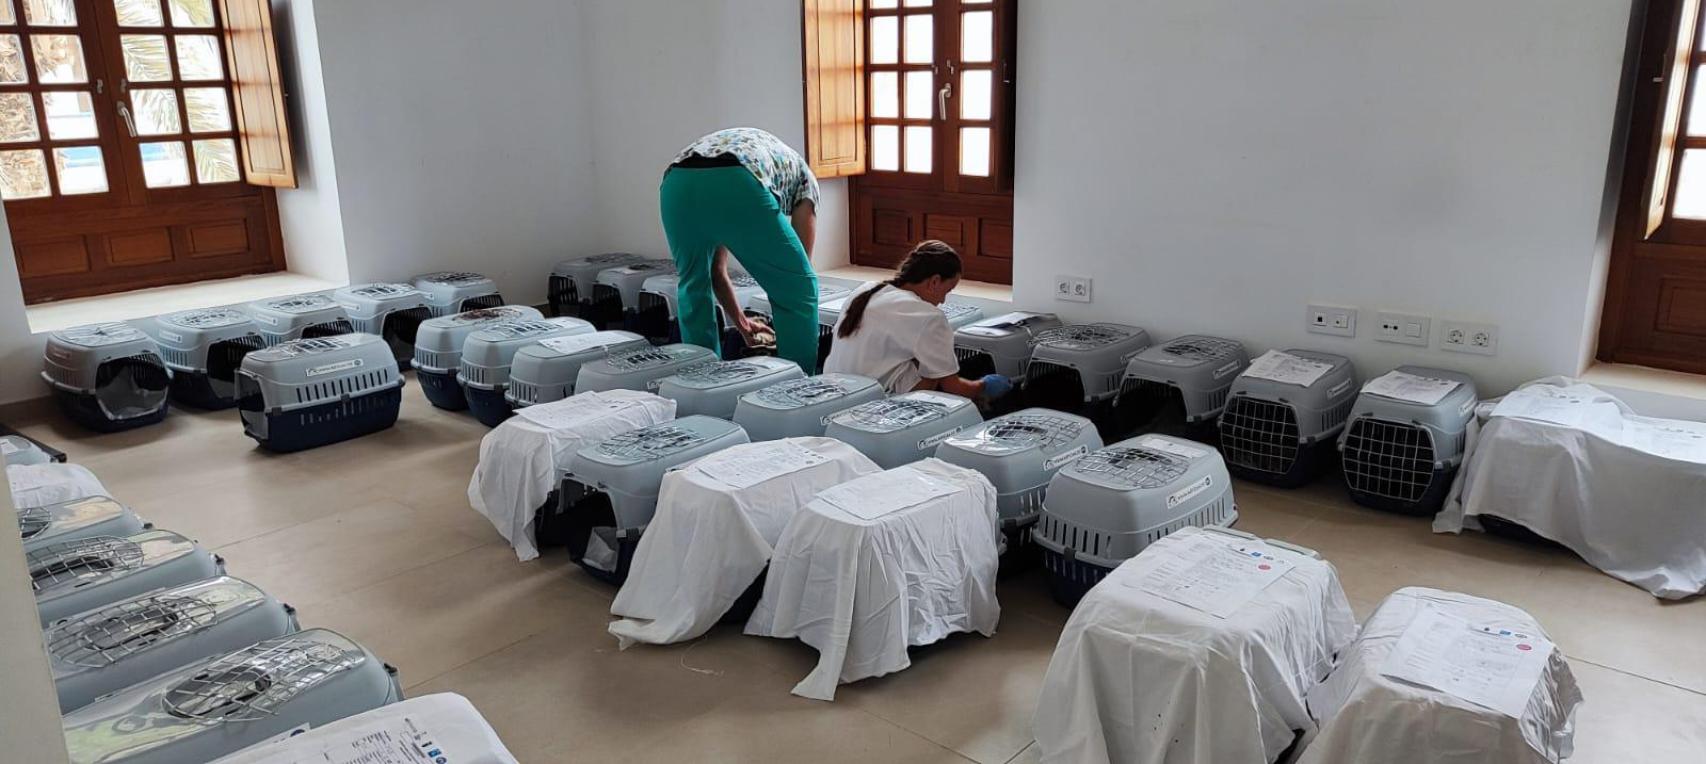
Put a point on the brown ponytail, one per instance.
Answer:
(929, 258)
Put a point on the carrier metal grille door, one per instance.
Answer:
(1259, 435)
(1388, 459)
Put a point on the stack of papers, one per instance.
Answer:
(1214, 576)
(1489, 666)
(885, 493)
(1414, 388)
(572, 411)
(1285, 368)
(745, 467)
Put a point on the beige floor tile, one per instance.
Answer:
(1625, 719)
(1031, 755)
(1603, 620)
(1271, 514)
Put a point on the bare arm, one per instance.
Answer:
(725, 291)
(953, 385)
(804, 218)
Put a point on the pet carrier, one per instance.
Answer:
(620, 287)
(213, 707)
(1077, 368)
(107, 377)
(204, 348)
(73, 576)
(303, 316)
(1406, 437)
(74, 520)
(1284, 416)
(1001, 345)
(802, 407)
(308, 393)
(38, 485)
(545, 371)
(1180, 386)
(486, 358)
(1104, 508)
(570, 285)
(1019, 452)
(641, 369)
(714, 389)
(19, 450)
(438, 350)
(830, 300)
(391, 311)
(904, 428)
(657, 317)
(961, 315)
(103, 650)
(450, 292)
(441, 728)
(619, 481)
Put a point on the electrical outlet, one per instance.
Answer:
(1072, 288)
(1403, 328)
(1465, 337)
(1336, 320)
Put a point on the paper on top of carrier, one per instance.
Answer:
(1487, 665)
(1214, 576)
(1280, 366)
(872, 497)
(1173, 447)
(1672, 438)
(1571, 407)
(573, 411)
(577, 343)
(400, 740)
(747, 467)
(946, 399)
(1404, 386)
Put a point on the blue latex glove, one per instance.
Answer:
(996, 386)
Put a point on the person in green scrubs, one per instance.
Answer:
(743, 191)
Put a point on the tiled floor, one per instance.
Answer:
(374, 538)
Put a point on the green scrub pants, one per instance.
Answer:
(707, 207)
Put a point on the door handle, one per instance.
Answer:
(942, 97)
(129, 121)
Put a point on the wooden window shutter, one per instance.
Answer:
(257, 91)
(835, 86)
(1676, 74)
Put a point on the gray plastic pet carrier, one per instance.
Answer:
(42, 527)
(450, 292)
(204, 349)
(902, 429)
(112, 648)
(961, 314)
(486, 358)
(1019, 453)
(618, 482)
(714, 389)
(800, 408)
(73, 576)
(438, 349)
(1079, 368)
(308, 393)
(19, 450)
(1180, 386)
(107, 377)
(642, 369)
(1001, 345)
(391, 311)
(830, 300)
(1284, 434)
(1400, 453)
(546, 371)
(1103, 509)
(217, 706)
(657, 318)
(570, 286)
(621, 286)
(303, 316)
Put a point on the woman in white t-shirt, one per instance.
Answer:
(896, 333)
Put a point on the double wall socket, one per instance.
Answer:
(1072, 288)
(1403, 328)
(1465, 337)
(1331, 319)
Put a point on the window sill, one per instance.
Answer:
(143, 303)
(976, 289)
(1653, 392)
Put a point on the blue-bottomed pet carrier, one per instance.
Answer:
(1078, 369)
(1019, 453)
(618, 482)
(641, 369)
(1001, 345)
(114, 647)
(569, 288)
(800, 408)
(486, 357)
(1181, 386)
(902, 429)
(1284, 416)
(393, 312)
(438, 350)
(107, 377)
(657, 318)
(74, 520)
(714, 389)
(1406, 437)
(220, 705)
(620, 287)
(303, 316)
(546, 370)
(204, 349)
(1104, 508)
(71, 577)
(451, 292)
(309, 393)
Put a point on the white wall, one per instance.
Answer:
(1215, 165)
(20, 352)
(29, 710)
(310, 216)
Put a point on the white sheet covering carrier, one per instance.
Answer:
(442, 728)
(881, 563)
(717, 522)
(1139, 677)
(38, 485)
(802, 407)
(76, 519)
(85, 574)
(1367, 716)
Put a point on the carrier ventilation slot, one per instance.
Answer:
(255, 682)
(111, 634)
(319, 392)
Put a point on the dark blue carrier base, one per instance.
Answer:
(195, 389)
(1426, 506)
(1152, 407)
(1068, 579)
(85, 411)
(1022, 552)
(1312, 461)
(488, 406)
(1503, 528)
(590, 514)
(441, 389)
(564, 299)
(330, 422)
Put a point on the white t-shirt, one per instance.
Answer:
(901, 341)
